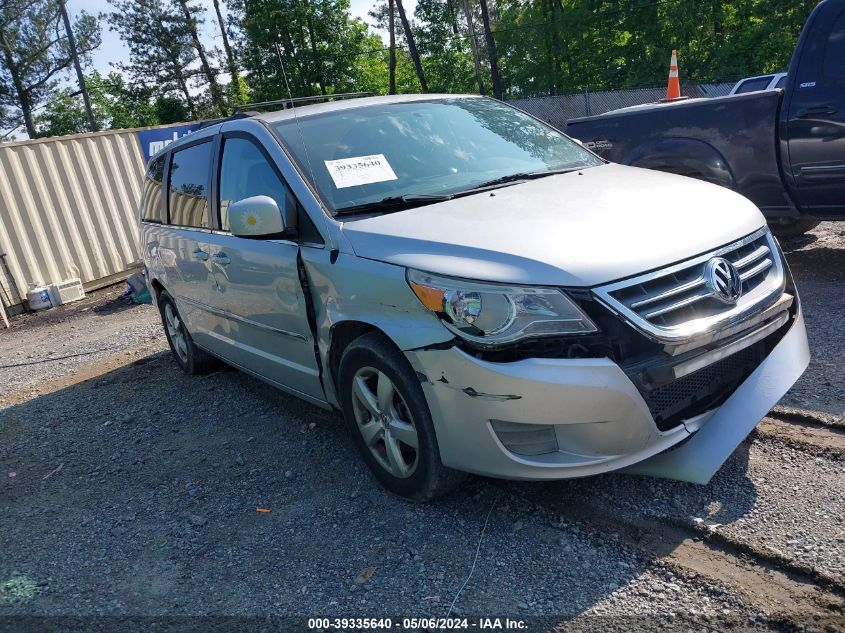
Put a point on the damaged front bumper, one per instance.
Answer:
(540, 419)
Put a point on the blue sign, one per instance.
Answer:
(153, 141)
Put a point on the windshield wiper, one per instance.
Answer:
(515, 178)
(411, 200)
(394, 203)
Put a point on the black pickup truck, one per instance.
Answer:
(784, 149)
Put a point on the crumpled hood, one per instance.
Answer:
(575, 229)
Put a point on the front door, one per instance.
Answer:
(816, 115)
(257, 289)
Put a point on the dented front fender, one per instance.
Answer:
(349, 288)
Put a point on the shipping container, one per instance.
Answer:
(69, 207)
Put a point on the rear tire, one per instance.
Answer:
(795, 228)
(190, 358)
(389, 420)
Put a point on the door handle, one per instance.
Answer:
(221, 258)
(818, 110)
(200, 255)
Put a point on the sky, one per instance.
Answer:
(112, 49)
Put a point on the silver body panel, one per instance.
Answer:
(259, 311)
(274, 307)
(577, 229)
(601, 421)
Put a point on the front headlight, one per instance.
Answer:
(494, 314)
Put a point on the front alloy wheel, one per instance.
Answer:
(385, 423)
(389, 419)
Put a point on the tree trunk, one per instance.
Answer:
(216, 92)
(412, 46)
(314, 52)
(227, 47)
(17, 82)
(392, 60)
(452, 10)
(474, 44)
(495, 78)
(71, 40)
(555, 46)
(183, 86)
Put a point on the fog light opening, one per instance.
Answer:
(526, 439)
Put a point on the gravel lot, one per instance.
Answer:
(817, 261)
(135, 491)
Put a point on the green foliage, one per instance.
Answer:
(447, 57)
(161, 52)
(238, 91)
(34, 54)
(115, 105)
(566, 45)
(320, 43)
(170, 110)
(544, 47)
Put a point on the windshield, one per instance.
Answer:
(362, 155)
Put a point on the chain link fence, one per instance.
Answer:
(558, 110)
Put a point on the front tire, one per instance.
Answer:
(190, 358)
(389, 420)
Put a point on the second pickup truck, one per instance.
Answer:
(782, 149)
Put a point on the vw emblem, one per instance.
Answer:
(723, 280)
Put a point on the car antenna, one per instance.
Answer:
(293, 108)
(334, 249)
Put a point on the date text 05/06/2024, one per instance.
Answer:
(416, 624)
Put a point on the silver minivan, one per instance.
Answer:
(474, 290)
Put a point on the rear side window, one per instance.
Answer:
(781, 82)
(151, 209)
(188, 183)
(758, 83)
(834, 53)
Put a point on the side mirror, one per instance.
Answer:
(257, 217)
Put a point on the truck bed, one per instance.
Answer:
(731, 141)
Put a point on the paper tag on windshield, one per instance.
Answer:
(360, 170)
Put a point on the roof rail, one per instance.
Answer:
(286, 103)
(204, 123)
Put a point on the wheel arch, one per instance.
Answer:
(685, 157)
(341, 335)
(156, 288)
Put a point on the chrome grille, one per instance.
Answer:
(675, 303)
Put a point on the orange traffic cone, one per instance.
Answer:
(673, 91)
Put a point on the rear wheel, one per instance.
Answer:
(389, 419)
(190, 358)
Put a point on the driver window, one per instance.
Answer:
(245, 172)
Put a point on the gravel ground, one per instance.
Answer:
(44, 346)
(817, 261)
(165, 490)
(130, 498)
(767, 496)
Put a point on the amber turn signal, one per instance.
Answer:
(431, 298)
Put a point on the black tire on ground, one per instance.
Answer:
(796, 227)
(428, 478)
(190, 358)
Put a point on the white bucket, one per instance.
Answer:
(38, 298)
